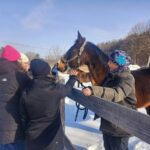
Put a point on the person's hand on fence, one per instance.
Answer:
(87, 91)
(73, 72)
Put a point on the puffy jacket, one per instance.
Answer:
(41, 115)
(119, 88)
(12, 83)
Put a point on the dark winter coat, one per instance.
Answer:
(41, 115)
(119, 88)
(12, 83)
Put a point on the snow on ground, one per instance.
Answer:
(85, 134)
(82, 133)
(134, 67)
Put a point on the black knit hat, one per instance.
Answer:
(39, 67)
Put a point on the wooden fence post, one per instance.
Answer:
(148, 62)
(67, 143)
(62, 107)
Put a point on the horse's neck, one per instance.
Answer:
(98, 74)
(97, 69)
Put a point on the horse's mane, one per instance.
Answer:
(103, 58)
(100, 53)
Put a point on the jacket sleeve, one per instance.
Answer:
(117, 93)
(23, 114)
(63, 90)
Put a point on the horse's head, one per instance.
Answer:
(73, 58)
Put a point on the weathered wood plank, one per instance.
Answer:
(62, 106)
(133, 122)
(62, 113)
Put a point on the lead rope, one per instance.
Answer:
(78, 105)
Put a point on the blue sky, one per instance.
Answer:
(41, 24)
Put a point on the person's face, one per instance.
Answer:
(25, 65)
(112, 65)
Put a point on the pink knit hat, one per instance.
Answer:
(10, 53)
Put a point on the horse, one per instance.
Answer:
(86, 53)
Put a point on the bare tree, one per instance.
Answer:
(32, 55)
(148, 26)
(137, 44)
(139, 28)
(54, 54)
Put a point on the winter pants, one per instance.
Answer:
(13, 146)
(115, 143)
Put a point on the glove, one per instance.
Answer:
(55, 72)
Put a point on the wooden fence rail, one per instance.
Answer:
(133, 122)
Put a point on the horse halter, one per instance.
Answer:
(66, 62)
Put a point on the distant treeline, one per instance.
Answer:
(53, 55)
(137, 44)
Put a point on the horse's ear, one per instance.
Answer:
(79, 35)
(80, 38)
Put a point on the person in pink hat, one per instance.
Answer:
(12, 83)
(10, 53)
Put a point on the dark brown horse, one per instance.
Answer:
(86, 53)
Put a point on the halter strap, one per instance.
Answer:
(82, 48)
(76, 56)
(80, 52)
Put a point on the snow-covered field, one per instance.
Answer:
(85, 134)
